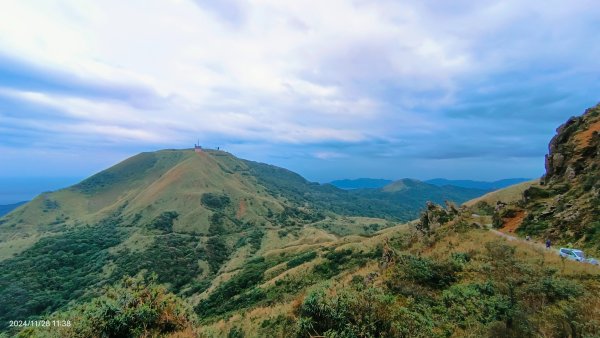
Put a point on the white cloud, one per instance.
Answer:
(283, 58)
(399, 73)
(325, 155)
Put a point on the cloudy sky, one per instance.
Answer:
(330, 89)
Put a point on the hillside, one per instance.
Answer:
(193, 219)
(223, 247)
(361, 183)
(401, 200)
(509, 194)
(410, 192)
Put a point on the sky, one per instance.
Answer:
(330, 89)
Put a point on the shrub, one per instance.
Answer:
(215, 201)
(164, 221)
(535, 193)
(55, 270)
(307, 257)
(483, 208)
(172, 257)
(217, 253)
(237, 293)
(474, 303)
(135, 307)
(423, 272)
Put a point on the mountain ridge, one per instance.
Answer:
(486, 185)
(219, 212)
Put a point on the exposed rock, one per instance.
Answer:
(566, 207)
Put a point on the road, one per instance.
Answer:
(538, 245)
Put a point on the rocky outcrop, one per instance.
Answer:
(566, 208)
(575, 148)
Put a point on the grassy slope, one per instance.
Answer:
(124, 201)
(279, 319)
(399, 201)
(506, 195)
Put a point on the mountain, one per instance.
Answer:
(386, 202)
(495, 185)
(191, 218)
(410, 192)
(361, 183)
(5, 209)
(222, 247)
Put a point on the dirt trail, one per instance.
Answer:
(241, 210)
(511, 224)
(514, 238)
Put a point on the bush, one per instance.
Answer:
(307, 257)
(217, 253)
(237, 293)
(164, 221)
(55, 271)
(534, 193)
(215, 201)
(474, 303)
(173, 258)
(483, 208)
(419, 276)
(135, 307)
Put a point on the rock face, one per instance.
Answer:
(574, 148)
(567, 207)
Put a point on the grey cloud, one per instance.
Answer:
(22, 75)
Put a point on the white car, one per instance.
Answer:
(576, 255)
(572, 254)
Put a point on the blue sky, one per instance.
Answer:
(330, 89)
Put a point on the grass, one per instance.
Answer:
(472, 242)
(506, 195)
(189, 253)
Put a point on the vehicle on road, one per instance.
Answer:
(576, 255)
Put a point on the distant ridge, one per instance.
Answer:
(375, 183)
(495, 185)
(5, 209)
(361, 183)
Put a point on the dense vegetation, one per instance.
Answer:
(479, 293)
(164, 221)
(173, 258)
(54, 271)
(237, 293)
(400, 205)
(134, 307)
(215, 201)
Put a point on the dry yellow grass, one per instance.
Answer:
(506, 195)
